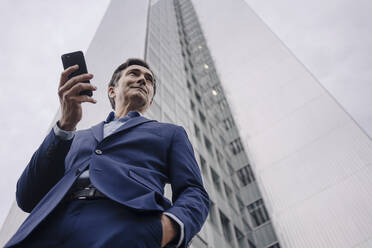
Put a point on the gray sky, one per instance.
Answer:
(330, 37)
(333, 40)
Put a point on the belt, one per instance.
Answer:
(89, 193)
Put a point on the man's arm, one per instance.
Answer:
(190, 200)
(46, 167)
(44, 170)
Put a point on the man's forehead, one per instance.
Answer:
(138, 67)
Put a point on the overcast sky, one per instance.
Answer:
(331, 38)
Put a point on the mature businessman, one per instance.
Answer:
(103, 187)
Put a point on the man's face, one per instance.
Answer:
(135, 87)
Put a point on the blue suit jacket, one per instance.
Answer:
(137, 161)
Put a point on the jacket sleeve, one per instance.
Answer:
(190, 200)
(44, 170)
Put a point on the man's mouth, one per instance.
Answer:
(142, 89)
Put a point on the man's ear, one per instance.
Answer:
(111, 92)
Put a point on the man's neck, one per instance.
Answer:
(119, 113)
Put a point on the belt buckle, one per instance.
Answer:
(91, 194)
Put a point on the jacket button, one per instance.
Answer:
(77, 172)
(98, 152)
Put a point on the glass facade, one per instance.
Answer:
(190, 94)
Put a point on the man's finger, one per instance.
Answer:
(75, 80)
(66, 73)
(76, 89)
(83, 98)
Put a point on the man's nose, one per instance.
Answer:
(141, 80)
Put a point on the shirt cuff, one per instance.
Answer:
(62, 134)
(180, 224)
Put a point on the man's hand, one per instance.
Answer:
(68, 92)
(169, 228)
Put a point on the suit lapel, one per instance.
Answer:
(97, 130)
(131, 123)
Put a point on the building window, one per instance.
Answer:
(202, 117)
(197, 131)
(190, 63)
(222, 104)
(203, 164)
(194, 79)
(245, 175)
(227, 124)
(276, 245)
(225, 222)
(236, 146)
(208, 145)
(197, 96)
(192, 105)
(228, 193)
(251, 244)
(216, 180)
(239, 237)
(258, 212)
(186, 69)
(188, 85)
(188, 51)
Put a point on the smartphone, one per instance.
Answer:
(70, 59)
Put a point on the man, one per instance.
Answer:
(103, 187)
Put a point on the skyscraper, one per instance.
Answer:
(192, 95)
(311, 159)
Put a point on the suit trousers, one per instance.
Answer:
(95, 224)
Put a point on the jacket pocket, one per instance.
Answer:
(143, 181)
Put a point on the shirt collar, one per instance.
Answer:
(131, 114)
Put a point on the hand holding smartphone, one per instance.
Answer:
(76, 58)
(74, 89)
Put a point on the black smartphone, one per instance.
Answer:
(70, 59)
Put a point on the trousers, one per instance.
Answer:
(96, 223)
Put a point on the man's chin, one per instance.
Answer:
(138, 100)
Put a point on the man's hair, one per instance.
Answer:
(118, 72)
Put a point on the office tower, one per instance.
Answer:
(191, 95)
(311, 159)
